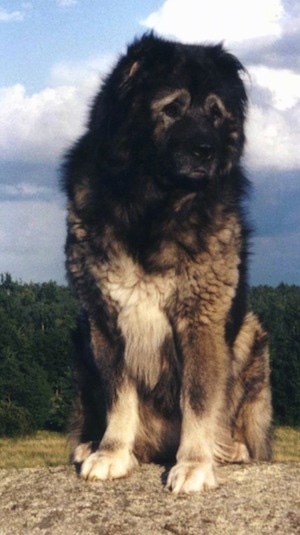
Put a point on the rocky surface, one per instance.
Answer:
(252, 499)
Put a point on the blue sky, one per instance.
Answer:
(42, 33)
(53, 55)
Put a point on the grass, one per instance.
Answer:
(286, 444)
(50, 449)
(42, 449)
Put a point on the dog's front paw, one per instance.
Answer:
(105, 465)
(81, 452)
(240, 453)
(189, 476)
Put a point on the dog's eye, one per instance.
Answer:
(215, 113)
(173, 110)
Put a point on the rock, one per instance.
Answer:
(252, 499)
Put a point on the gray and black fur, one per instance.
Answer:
(169, 363)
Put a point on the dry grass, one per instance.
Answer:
(286, 444)
(50, 449)
(42, 449)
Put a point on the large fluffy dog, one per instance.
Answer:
(169, 363)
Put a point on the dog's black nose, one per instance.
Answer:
(204, 151)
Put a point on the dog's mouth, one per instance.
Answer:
(197, 163)
(198, 174)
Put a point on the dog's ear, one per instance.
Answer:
(134, 67)
(137, 55)
(116, 89)
(144, 56)
(128, 75)
(147, 48)
(231, 62)
(234, 71)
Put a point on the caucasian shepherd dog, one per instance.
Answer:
(169, 363)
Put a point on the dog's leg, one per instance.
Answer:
(202, 397)
(106, 409)
(114, 457)
(251, 393)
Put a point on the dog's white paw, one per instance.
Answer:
(105, 465)
(240, 453)
(81, 452)
(236, 452)
(188, 476)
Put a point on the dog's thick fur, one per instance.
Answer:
(169, 363)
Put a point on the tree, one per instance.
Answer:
(37, 321)
(279, 310)
(35, 345)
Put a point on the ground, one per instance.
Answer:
(252, 499)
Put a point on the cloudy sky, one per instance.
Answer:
(53, 54)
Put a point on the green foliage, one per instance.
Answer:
(60, 403)
(14, 420)
(35, 346)
(279, 310)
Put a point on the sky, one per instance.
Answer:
(54, 54)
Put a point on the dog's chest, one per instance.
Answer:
(125, 283)
(140, 301)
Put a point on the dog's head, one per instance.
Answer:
(197, 139)
(178, 108)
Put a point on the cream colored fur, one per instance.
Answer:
(139, 301)
(115, 457)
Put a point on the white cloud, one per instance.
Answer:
(273, 129)
(10, 16)
(228, 20)
(85, 74)
(273, 138)
(39, 127)
(284, 95)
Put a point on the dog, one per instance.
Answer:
(169, 366)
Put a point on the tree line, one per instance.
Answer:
(37, 322)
